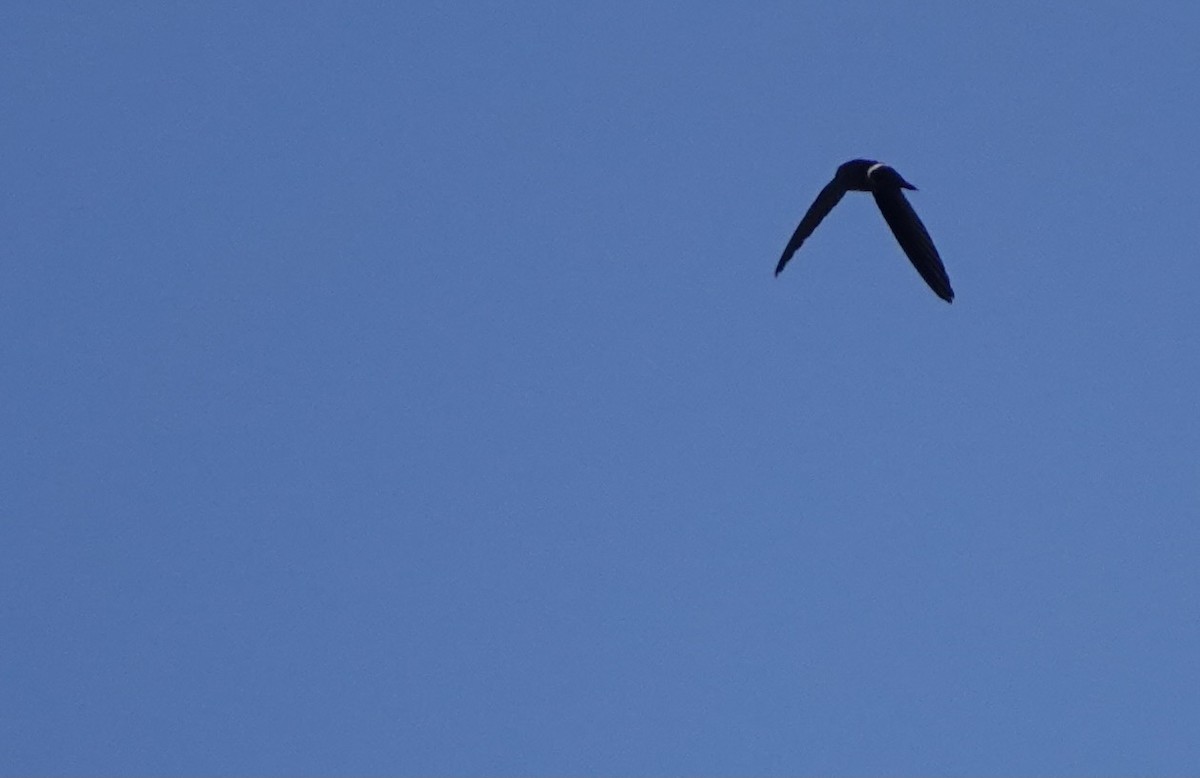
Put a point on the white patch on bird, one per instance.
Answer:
(874, 167)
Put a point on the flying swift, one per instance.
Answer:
(887, 187)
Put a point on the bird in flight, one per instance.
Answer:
(887, 187)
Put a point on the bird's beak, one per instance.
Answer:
(906, 185)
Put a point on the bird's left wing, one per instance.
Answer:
(830, 196)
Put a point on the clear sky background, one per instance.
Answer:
(403, 388)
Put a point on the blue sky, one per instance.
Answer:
(404, 389)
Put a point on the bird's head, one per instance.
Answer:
(879, 173)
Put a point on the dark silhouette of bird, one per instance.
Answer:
(887, 187)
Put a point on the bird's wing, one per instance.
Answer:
(914, 239)
(829, 197)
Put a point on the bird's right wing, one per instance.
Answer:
(914, 239)
(829, 197)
